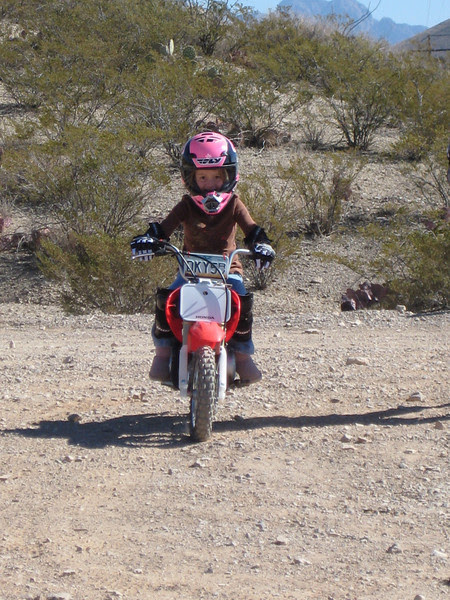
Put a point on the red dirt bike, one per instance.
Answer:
(203, 315)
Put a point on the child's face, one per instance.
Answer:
(209, 180)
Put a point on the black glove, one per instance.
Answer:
(262, 252)
(256, 236)
(145, 247)
(263, 255)
(156, 231)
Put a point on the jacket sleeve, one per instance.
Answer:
(177, 215)
(243, 218)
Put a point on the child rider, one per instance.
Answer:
(209, 215)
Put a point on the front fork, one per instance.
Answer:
(183, 366)
(183, 374)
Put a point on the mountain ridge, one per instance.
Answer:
(435, 40)
(384, 28)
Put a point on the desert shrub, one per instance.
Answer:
(411, 146)
(96, 272)
(274, 210)
(430, 176)
(413, 259)
(283, 48)
(88, 179)
(303, 198)
(255, 112)
(68, 59)
(75, 61)
(94, 188)
(207, 23)
(318, 190)
(313, 127)
(169, 100)
(313, 134)
(425, 111)
(408, 250)
(362, 85)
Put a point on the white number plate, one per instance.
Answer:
(205, 301)
(206, 265)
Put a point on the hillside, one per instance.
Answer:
(435, 40)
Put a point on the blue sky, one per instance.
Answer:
(412, 12)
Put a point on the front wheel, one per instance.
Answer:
(203, 394)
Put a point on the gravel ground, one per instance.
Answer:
(328, 480)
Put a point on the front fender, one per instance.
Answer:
(205, 333)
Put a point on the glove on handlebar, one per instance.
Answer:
(256, 236)
(263, 255)
(145, 247)
(156, 231)
(258, 242)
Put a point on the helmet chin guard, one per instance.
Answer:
(213, 202)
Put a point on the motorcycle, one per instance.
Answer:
(203, 315)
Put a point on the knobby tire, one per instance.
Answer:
(203, 395)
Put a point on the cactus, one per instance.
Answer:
(166, 49)
(189, 52)
(170, 48)
(213, 72)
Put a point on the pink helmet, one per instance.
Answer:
(210, 150)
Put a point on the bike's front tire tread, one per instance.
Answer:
(204, 395)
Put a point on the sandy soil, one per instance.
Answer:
(327, 480)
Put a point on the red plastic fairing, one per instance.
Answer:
(176, 322)
(205, 333)
(173, 314)
(235, 314)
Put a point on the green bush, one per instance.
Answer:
(69, 60)
(301, 199)
(96, 272)
(76, 61)
(362, 86)
(317, 189)
(207, 23)
(425, 111)
(88, 180)
(168, 100)
(409, 249)
(273, 210)
(413, 260)
(313, 128)
(430, 175)
(255, 113)
(283, 49)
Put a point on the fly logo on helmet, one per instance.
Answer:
(210, 150)
(207, 161)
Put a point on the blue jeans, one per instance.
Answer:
(237, 284)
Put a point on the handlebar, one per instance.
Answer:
(185, 267)
(238, 251)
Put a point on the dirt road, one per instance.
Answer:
(329, 480)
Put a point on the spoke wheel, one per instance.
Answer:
(203, 394)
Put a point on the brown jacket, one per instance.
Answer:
(212, 234)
